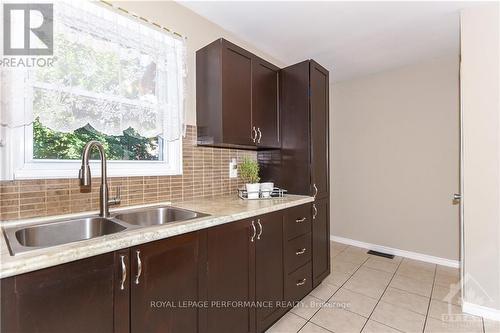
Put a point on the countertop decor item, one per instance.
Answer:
(249, 171)
(266, 189)
(275, 192)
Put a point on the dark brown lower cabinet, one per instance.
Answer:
(231, 277)
(269, 263)
(298, 252)
(81, 296)
(320, 241)
(245, 263)
(167, 281)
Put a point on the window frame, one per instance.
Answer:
(25, 167)
(19, 163)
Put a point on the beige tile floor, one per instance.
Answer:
(370, 294)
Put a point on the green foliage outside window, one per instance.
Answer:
(49, 144)
(95, 69)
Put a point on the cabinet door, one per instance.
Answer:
(166, 275)
(293, 168)
(230, 277)
(319, 130)
(321, 241)
(75, 297)
(269, 267)
(265, 110)
(236, 95)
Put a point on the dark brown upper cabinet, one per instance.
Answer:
(303, 159)
(265, 106)
(236, 98)
(319, 129)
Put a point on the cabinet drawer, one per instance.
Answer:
(297, 252)
(297, 221)
(299, 283)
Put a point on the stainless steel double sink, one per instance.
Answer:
(26, 238)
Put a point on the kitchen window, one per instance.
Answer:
(114, 79)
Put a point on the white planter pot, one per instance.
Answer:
(266, 189)
(253, 190)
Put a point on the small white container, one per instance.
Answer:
(266, 189)
(253, 190)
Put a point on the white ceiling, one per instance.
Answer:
(349, 38)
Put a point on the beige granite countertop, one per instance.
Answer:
(221, 209)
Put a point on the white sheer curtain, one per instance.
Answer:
(110, 71)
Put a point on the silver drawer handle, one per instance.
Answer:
(260, 134)
(124, 272)
(260, 229)
(301, 282)
(315, 190)
(301, 251)
(254, 231)
(300, 220)
(315, 211)
(139, 266)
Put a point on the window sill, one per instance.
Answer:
(55, 170)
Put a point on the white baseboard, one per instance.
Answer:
(397, 252)
(482, 311)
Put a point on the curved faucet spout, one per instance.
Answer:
(86, 178)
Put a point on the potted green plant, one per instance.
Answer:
(249, 172)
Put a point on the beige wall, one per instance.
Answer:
(481, 134)
(199, 32)
(395, 158)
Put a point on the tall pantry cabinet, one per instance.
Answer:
(302, 164)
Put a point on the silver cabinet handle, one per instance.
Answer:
(300, 220)
(301, 251)
(260, 134)
(315, 213)
(315, 190)
(124, 273)
(301, 282)
(260, 229)
(254, 134)
(254, 231)
(139, 266)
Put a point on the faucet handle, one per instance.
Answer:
(118, 197)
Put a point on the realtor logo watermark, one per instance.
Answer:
(28, 34)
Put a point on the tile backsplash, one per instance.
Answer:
(205, 174)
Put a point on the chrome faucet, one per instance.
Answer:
(86, 178)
